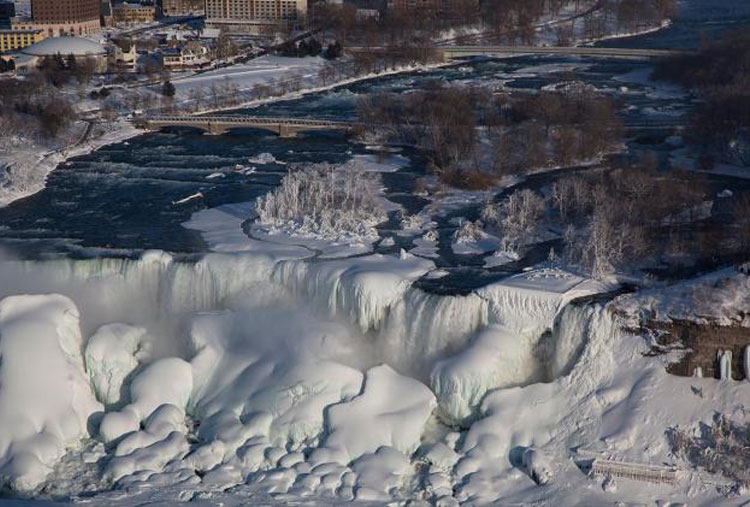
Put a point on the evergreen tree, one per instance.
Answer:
(168, 89)
(334, 50)
(314, 47)
(303, 49)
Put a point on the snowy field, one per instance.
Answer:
(257, 71)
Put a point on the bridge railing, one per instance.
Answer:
(244, 120)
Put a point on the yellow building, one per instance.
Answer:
(134, 14)
(13, 39)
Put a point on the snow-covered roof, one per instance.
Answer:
(64, 46)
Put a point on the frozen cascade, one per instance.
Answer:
(412, 329)
(268, 345)
(569, 337)
(362, 290)
(423, 328)
(565, 413)
(515, 349)
(153, 284)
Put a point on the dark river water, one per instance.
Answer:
(126, 197)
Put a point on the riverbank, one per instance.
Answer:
(27, 165)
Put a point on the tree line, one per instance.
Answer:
(719, 126)
(618, 220)
(473, 136)
(34, 107)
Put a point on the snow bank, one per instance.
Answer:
(45, 398)
(721, 297)
(28, 163)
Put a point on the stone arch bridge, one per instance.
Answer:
(217, 125)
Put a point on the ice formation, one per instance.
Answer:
(391, 412)
(45, 398)
(516, 347)
(286, 377)
(112, 354)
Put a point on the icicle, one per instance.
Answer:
(725, 364)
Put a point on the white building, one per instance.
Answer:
(65, 46)
(123, 56)
(185, 57)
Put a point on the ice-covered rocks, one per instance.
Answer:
(379, 473)
(262, 158)
(112, 354)
(391, 411)
(45, 398)
(262, 377)
(166, 381)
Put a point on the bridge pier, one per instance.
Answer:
(217, 129)
(287, 131)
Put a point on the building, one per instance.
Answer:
(13, 40)
(189, 56)
(122, 56)
(134, 14)
(442, 7)
(62, 17)
(181, 7)
(64, 11)
(255, 17)
(65, 46)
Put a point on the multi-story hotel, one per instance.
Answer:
(62, 17)
(181, 7)
(254, 16)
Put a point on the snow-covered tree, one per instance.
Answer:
(325, 200)
(517, 217)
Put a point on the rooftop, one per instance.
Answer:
(64, 46)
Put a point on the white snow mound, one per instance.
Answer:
(45, 398)
(391, 411)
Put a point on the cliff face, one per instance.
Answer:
(702, 343)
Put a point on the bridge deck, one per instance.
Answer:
(244, 120)
(450, 52)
